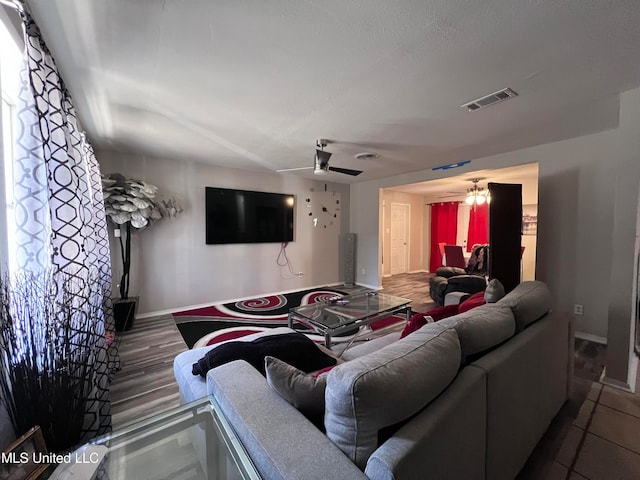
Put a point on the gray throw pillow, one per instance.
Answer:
(302, 390)
(494, 291)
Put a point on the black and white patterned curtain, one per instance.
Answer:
(61, 224)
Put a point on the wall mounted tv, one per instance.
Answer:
(243, 216)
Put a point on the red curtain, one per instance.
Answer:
(444, 228)
(478, 225)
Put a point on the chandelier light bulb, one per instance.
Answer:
(476, 195)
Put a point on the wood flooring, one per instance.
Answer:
(414, 286)
(145, 384)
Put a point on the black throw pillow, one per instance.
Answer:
(295, 349)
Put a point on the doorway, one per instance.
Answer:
(448, 189)
(399, 238)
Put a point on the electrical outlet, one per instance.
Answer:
(116, 232)
(578, 309)
(364, 271)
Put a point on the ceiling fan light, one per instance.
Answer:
(480, 199)
(319, 171)
(470, 199)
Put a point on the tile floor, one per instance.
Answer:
(603, 442)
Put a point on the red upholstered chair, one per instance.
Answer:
(455, 257)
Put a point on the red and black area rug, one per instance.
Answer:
(271, 311)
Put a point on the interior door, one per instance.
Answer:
(400, 214)
(505, 233)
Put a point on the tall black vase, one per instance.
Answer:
(124, 313)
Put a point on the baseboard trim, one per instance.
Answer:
(591, 338)
(379, 287)
(216, 302)
(614, 383)
(387, 275)
(629, 386)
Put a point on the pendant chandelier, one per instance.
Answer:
(477, 195)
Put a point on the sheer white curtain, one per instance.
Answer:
(61, 225)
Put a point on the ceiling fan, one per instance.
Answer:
(321, 162)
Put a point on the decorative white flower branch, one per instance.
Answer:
(135, 201)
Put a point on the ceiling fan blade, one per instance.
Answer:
(366, 145)
(346, 171)
(293, 169)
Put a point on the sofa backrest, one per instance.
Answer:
(529, 301)
(386, 387)
(482, 328)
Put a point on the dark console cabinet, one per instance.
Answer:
(505, 230)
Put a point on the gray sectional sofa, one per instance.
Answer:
(467, 397)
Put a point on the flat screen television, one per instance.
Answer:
(243, 216)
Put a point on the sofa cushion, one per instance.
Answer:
(194, 387)
(494, 291)
(302, 390)
(529, 302)
(473, 301)
(386, 387)
(293, 348)
(360, 349)
(482, 328)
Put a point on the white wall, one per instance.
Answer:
(173, 268)
(621, 361)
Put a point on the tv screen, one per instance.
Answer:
(243, 216)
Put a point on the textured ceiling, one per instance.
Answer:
(252, 84)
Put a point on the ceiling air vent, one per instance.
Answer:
(487, 100)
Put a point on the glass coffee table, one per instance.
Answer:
(193, 441)
(344, 314)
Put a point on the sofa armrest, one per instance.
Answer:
(282, 443)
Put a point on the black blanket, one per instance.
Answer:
(293, 348)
